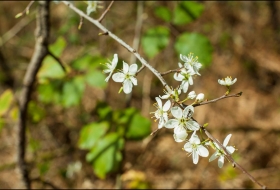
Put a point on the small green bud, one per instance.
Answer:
(18, 15)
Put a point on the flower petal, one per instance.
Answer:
(226, 140)
(115, 61)
(185, 86)
(127, 86)
(194, 138)
(188, 111)
(202, 151)
(125, 67)
(213, 157)
(133, 80)
(171, 123)
(221, 161)
(221, 82)
(178, 77)
(230, 149)
(188, 147)
(166, 96)
(193, 125)
(133, 69)
(177, 112)
(159, 102)
(107, 78)
(195, 157)
(118, 77)
(166, 105)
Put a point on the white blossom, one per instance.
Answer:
(200, 97)
(227, 81)
(191, 63)
(174, 94)
(191, 95)
(127, 77)
(111, 67)
(195, 148)
(182, 120)
(186, 77)
(180, 134)
(161, 112)
(220, 152)
(92, 6)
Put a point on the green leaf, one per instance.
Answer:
(6, 99)
(154, 40)
(197, 44)
(104, 111)
(96, 78)
(35, 111)
(50, 92)
(50, 67)
(58, 47)
(106, 155)
(43, 168)
(186, 11)
(139, 127)
(91, 133)
(123, 117)
(88, 62)
(164, 13)
(72, 91)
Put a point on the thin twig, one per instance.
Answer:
(141, 68)
(171, 71)
(229, 157)
(81, 22)
(26, 10)
(41, 51)
(105, 12)
(217, 99)
(16, 29)
(58, 60)
(121, 42)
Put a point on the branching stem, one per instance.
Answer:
(121, 42)
(105, 12)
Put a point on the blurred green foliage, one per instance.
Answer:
(105, 138)
(197, 44)
(156, 39)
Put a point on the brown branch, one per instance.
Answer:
(141, 68)
(215, 100)
(41, 51)
(171, 71)
(58, 60)
(105, 12)
(121, 42)
(229, 157)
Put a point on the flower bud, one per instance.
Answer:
(200, 97)
(192, 95)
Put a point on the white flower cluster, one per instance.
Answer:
(125, 76)
(180, 120)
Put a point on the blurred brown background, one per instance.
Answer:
(246, 41)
